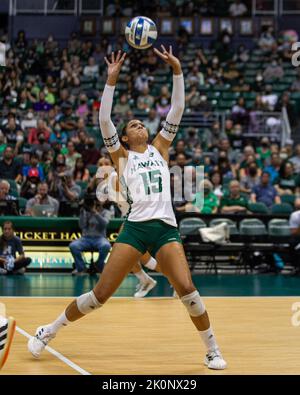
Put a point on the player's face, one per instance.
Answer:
(136, 132)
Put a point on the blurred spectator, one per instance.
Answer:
(234, 203)
(263, 151)
(81, 173)
(237, 8)
(68, 120)
(50, 205)
(206, 202)
(58, 136)
(274, 167)
(265, 192)
(295, 160)
(269, 99)
(9, 246)
(13, 132)
(195, 77)
(83, 108)
(192, 98)
(71, 156)
(180, 149)
(3, 144)
(91, 70)
(145, 101)
(90, 154)
(273, 71)
(287, 182)
(152, 122)
(29, 186)
(42, 104)
(8, 203)
(68, 190)
(9, 167)
(192, 139)
(226, 168)
(122, 106)
(217, 183)
(239, 112)
(40, 130)
(34, 164)
(251, 179)
(267, 40)
(163, 107)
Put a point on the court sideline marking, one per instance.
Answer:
(57, 355)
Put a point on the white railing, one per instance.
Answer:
(46, 7)
(286, 127)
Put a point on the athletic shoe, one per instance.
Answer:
(145, 288)
(214, 360)
(37, 343)
(7, 330)
(77, 273)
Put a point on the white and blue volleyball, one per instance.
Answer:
(141, 32)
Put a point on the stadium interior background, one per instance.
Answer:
(241, 121)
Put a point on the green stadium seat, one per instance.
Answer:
(252, 227)
(279, 228)
(290, 199)
(233, 229)
(22, 204)
(283, 208)
(249, 95)
(13, 188)
(191, 226)
(258, 208)
(230, 95)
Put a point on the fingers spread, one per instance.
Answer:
(113, 57)
(106, 61)
(118, 56)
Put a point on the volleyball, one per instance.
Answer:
(141, 32)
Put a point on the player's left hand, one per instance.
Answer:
(169, 58)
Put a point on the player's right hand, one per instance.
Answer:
(114, 66)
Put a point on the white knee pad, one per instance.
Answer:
(87, 303)
(193, 304)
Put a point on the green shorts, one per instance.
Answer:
(148, 235)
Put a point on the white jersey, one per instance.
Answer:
(146, 182)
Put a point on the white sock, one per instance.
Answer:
(142, 276)
(151, 264)
(59, 322)
(209, 339)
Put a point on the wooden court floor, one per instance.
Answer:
(155, 336)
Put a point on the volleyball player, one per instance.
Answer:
(151, 224)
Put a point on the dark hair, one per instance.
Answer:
(123, 133)
(282, 168)
(8, 223)
(3, 242)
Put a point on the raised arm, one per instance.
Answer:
(166, 136)
(108, 130)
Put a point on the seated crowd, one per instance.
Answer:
(51, 146)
